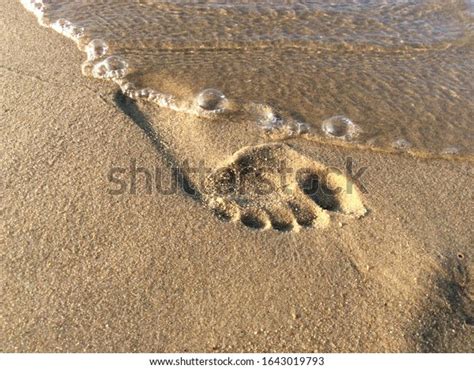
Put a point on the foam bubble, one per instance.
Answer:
(273, 123)
(291, 128)
(37, 7)
(112, 67)
(340, 127)
(272, 120)
(126, 87)
(96, 49)
(86, 68)
(268, 120)
(451, 150)
(301, 128)
(144, 93)
(68, 29)
(211, 99)
(402, 144)
(164, 100)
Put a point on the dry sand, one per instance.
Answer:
(86, 271)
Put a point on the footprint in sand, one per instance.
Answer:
(263, 185)
(273, 186)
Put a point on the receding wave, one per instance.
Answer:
(390, 74)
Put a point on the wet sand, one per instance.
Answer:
(86, 271)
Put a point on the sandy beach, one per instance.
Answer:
(86, 270)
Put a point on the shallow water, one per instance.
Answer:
(400, 72)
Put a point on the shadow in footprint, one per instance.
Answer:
(311, 184)
(252, 221)
(130, 108)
